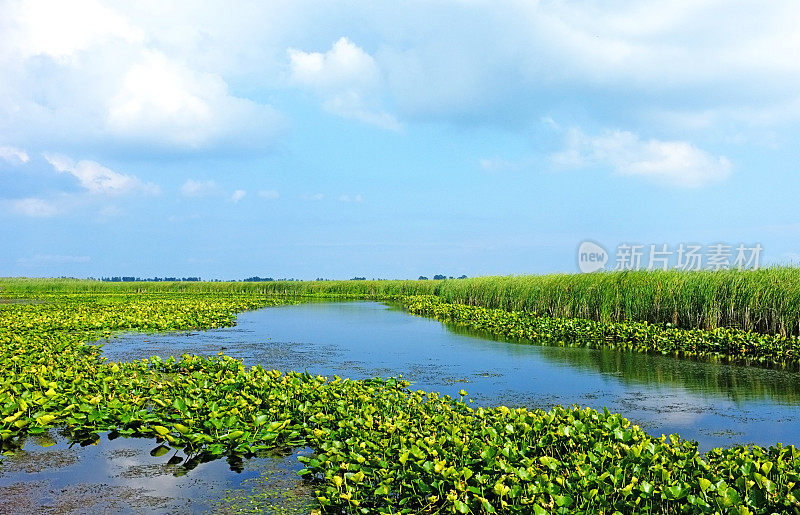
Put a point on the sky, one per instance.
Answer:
(392, 140)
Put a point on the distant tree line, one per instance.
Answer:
(126, 279)
(253, 279)
(257, 279)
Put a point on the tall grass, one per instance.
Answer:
(373, 289)
(766, 300)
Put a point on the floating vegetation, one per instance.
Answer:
(377, 446)
(276, 490)
(722, 344)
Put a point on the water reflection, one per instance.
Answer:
(712, 403)
(735, 382)
(53, 473)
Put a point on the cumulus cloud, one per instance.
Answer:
(90, 73)
(96, 178)
(504, 62)
(116, 74)
(237, 196)
(313, 197)
(31, 207)
(342, 66)
(188, 109)
(61, 29)
(346, 78)
(13, 155)
(192, 188)
(675, 163)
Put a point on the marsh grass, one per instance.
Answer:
(764, 301)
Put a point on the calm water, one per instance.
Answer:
(714, 404)
(717, 405)
(52, 475)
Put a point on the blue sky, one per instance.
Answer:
(306, 139)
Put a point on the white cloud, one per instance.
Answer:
(192, 188)
(188, 109)
(760, 118)
(13, 155)
(351, 198)
(31, 207)
(507, 62)
(60, 29)
(154, 93)
(155, 77)
(269, 194)
(675, 163)
(344, 65)
(351, 104)
(237, 196)
(90, 73)
(96, 178)
(313, 197)
(209, 188)
(346, 78)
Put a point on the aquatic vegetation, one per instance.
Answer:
(765, 300)
(378, 447)
(419, 452)
(723, 344)
(51, 376)
(276, 490)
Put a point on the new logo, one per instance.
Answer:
(591, 257)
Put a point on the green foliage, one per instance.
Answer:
(765, 301)
(51, 377)
(419, 452)
(358, 289)
(723, 344)
(379, 448)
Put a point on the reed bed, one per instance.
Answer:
(765, 301)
